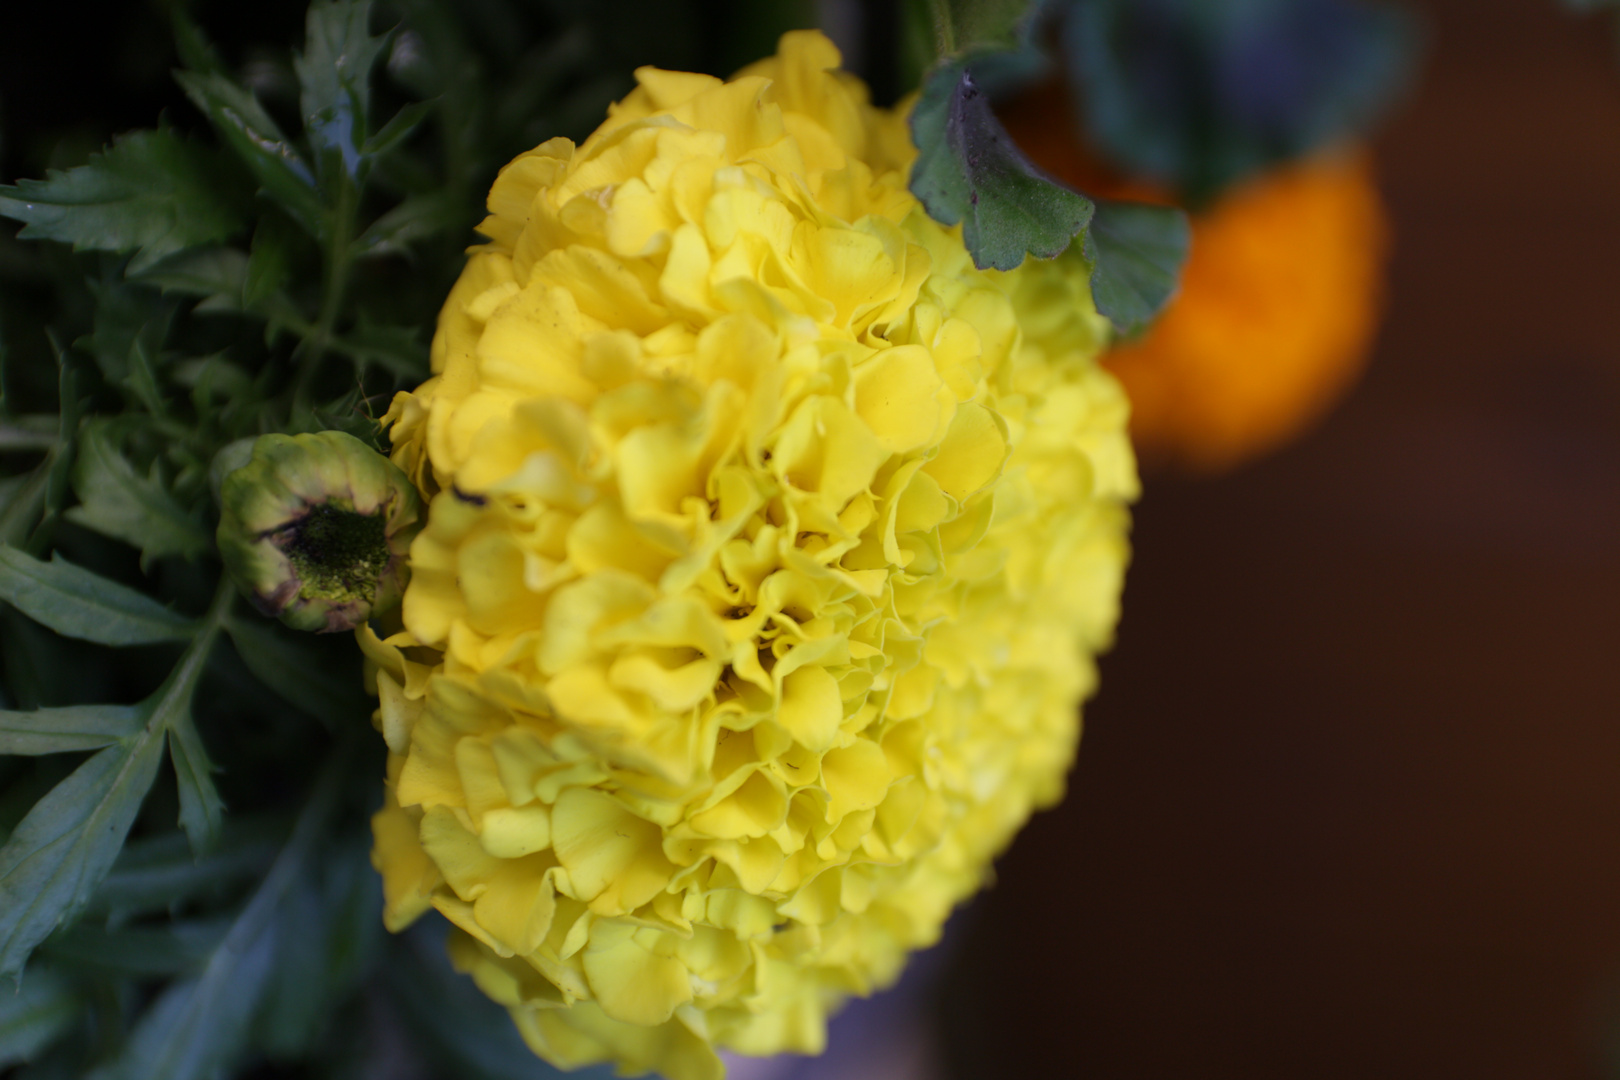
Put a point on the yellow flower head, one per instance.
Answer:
(769, 546)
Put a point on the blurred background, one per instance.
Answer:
(1348, 804)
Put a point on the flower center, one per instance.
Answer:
(338, 554)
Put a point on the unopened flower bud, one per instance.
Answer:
(315, 528)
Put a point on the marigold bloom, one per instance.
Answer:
(1279, 301)
(769, 546)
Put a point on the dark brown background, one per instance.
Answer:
(1349, 802)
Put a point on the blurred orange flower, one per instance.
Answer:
(1279, 301)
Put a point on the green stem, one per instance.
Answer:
(339, 259)
(175, 697)
(944, 27)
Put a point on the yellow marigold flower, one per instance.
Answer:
(1279, 300)
(768, 549)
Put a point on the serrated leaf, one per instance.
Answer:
(60, 851)
(201, 809)
(968, 170)
(269, 261)
(416, 218)
(150, 192)
(116, 500)
(142, 952)
(398, 350)
(284, 663)
(79, 604)
(210, 272)
(239, 118)
(1136, 253)
(35, 1015)
(334, 74)
(71, 727)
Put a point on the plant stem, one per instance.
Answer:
(338, 262)
(944, 27)
(182, 682)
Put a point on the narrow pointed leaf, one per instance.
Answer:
(116, 500)
(72, 727)
(199, 1026)
(160, 872)
(334, 75)
(201, 809)
(239, 118)
(398, 128)
(36, 1014)
(60, 851)
(79, 604)
(150, 192)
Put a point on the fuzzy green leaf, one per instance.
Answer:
(1136, 253)
(79, 604)
(119, 502)
(36, 1014)
(209, 272)
(72, 727)
(60, 851)
(149, 192)
(239, 118)
(968, 170)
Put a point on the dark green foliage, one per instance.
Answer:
(969, 171)
(1197, 95)
(151, 192)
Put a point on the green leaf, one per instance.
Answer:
(217, 273)
(198, 1026)
(269, 262)
(415, 219)
(72, 727)
(239, 118)
(61, 850)
(968, 170)
(398, 128)
(195, 1028)
(35, 1015)
(26, 433)
(1136, 253)
(159, 873)
(79, 604)
(149, 192)
(285, 662)
(142, 952)
(334, 74)
(1197, 96)
(119, 502)
(201, 809)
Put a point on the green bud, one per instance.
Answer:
(315, 529)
